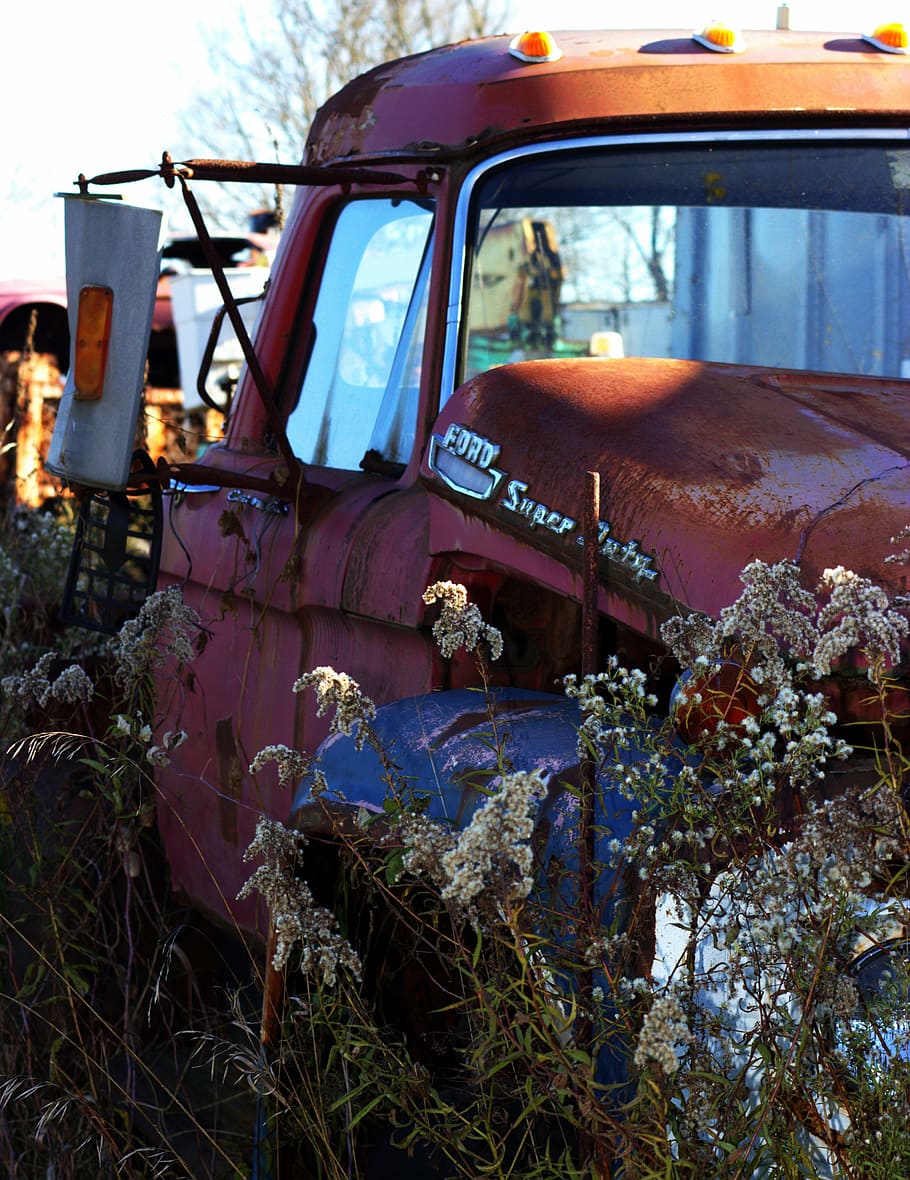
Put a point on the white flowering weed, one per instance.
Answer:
(858, 615)
(296, 918)
(166, 627)
(426, 842)
(70, 686)
(719, 959)
(292, 765)
(338, 691)
(460, 623)
(493, 852)
(664, 1032)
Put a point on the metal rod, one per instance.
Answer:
(248, 172)
(589, 645)
(260, 380)
(206, 476)
(586, 826)
(590, 576)
(255, 173)
(272, 995)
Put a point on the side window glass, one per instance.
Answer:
(359, 392)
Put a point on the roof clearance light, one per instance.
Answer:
(890, 38)
(535, 47)
(93, 334)
(720, 38)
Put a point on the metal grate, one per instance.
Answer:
(114, 564)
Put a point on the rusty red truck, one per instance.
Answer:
(678, 262)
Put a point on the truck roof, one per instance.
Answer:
(472, 96)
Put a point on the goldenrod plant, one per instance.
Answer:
(749, 962)
(728, 999)
(101, 977)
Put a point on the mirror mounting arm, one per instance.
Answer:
(263, 386)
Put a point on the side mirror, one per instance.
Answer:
(113, 260)
(208, 352)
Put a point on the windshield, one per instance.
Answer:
(788, 254)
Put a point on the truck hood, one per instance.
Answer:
(703, 467)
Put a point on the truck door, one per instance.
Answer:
(269, 579)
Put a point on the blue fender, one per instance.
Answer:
(443, 749)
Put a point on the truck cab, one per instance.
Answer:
(511, 262)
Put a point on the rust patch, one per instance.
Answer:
(229, 778)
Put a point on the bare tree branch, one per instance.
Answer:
(273, 82)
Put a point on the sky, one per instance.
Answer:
(96, 85)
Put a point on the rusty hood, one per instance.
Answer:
(703, 468)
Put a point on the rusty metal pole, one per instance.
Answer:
(269, 1049)
(589, 644)
(586, 833)
(589, 591)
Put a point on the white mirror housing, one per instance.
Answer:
(117, 246)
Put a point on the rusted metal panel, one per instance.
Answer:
(389, 565)
(388, 662)
(270, 587)
(240, 700)
(440, 744)
(705, 467)
(465, 96)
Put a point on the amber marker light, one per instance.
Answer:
(93, 335)
(535, 47)
(890, 38)
(720, 38)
